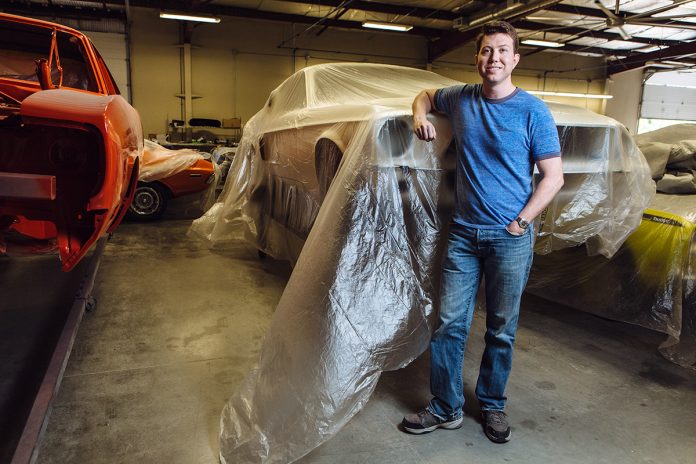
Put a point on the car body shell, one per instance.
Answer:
(69, 156)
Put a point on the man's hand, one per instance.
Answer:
(515, 229)
(422, 105)
(424, 129)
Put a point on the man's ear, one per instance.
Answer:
(517, 58)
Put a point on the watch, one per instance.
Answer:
(522, 222)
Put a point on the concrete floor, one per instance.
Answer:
(177, 327)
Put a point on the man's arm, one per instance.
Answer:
(423, 104)
(551, 170)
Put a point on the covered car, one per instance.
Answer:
(329, 175)
(166, 174)
(651, 280)
(69, 142)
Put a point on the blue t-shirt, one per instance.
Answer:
(498, 142)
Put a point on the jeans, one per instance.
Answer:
(504, 260)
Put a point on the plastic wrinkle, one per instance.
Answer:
(158, 162)
(649, 281)
(329, 175)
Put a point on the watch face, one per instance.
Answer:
(522, 223)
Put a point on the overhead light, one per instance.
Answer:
(542, 43)
(187, 17)
(387, 26)
(570, 94)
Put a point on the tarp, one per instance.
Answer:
(650, 280)
(363, 293)
(671, 153)
(158, 162)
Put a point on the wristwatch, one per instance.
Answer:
(522, 222)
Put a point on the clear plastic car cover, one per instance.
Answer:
(158, 162)
(650, 280)
(329, 174)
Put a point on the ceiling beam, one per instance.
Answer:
(451, 40)
(582, 32)
(595, 13)
(223, 10)
(388, 8)
(638, 60)
(52, 10)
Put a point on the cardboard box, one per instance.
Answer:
(232, 123)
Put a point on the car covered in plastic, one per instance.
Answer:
(167, 174)
(69, 142)
(651, 280)
(330, 175)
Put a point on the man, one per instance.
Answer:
(500, 132)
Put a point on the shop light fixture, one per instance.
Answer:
(570, 94)
(542, 43)
(387, 26)
(188, 17)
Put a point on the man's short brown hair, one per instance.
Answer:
(498, 27)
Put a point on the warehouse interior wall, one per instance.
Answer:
(567, 73)
(626, 87)
(112, 47)
(236, 64)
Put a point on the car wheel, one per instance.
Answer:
(149, 201)
(327, 158)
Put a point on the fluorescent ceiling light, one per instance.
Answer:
(186, 17)
(570, 94)
(542, 43)
(387, 26)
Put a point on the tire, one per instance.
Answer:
(149, 201)
(327, 159)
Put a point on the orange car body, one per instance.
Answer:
(193, 179)
(69, 150)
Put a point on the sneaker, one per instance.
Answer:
(425, 421)
(496, 426)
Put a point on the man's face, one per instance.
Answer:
(496, 58)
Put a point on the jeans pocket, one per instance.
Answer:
(516, 235)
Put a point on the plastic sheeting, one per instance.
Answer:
(650, 280)
(362, 296)
(671, 153)
(158, 162)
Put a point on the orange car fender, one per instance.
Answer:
(118, 122)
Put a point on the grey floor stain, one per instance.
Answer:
(529, 424)
(661, 375)
(216, 329)
(545, 385)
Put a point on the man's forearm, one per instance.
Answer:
(543, 194)
(422, 105)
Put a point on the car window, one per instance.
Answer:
(112, 88)
(22, 44)
(587, 149)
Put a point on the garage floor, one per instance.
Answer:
(177, 326)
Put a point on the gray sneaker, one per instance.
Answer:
(496, 426)
(425, 421)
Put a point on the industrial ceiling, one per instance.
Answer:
(629, 34)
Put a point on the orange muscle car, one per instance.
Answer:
(69, 142)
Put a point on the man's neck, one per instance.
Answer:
(498, 91)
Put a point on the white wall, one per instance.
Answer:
(112, 47)
(625, 106)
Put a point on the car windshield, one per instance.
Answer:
(362, 83)
(351, 83)
(22, 44)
